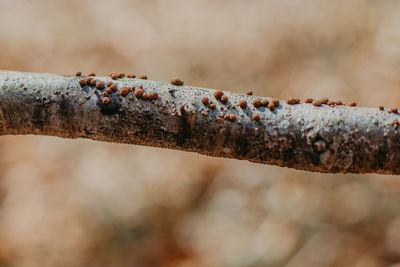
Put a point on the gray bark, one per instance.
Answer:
(338, 139)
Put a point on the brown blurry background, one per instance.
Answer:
(85, 203)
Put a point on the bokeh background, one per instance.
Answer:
(85, 203)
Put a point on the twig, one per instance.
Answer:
(302, 136)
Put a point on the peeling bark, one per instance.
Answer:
(339, 139)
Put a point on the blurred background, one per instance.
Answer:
(85, 203)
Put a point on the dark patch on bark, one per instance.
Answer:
(314, 156)
(380, 156)
(148, 115)
(109, 109)
(287, 155)
(242, 145)
(40, 116)
(66, 110)
(184, 129)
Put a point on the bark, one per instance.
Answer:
(338, 139)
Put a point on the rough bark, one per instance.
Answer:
(302, 136)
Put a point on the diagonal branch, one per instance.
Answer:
(302, 136)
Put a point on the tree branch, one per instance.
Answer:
(302, 136)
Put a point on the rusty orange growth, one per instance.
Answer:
(324, 100)
(124, 91)
(338, 103)
(176, 81)
(256, 117)
(257, 103)
(352, 104)
(218, 94)
(243, 104)
(100, 85)
(271, 106)
(317, 103)
(153, 95)
(105, 100)
(224, 99)
(293, 101)
(139, 93)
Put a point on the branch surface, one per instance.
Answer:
(338, 139)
